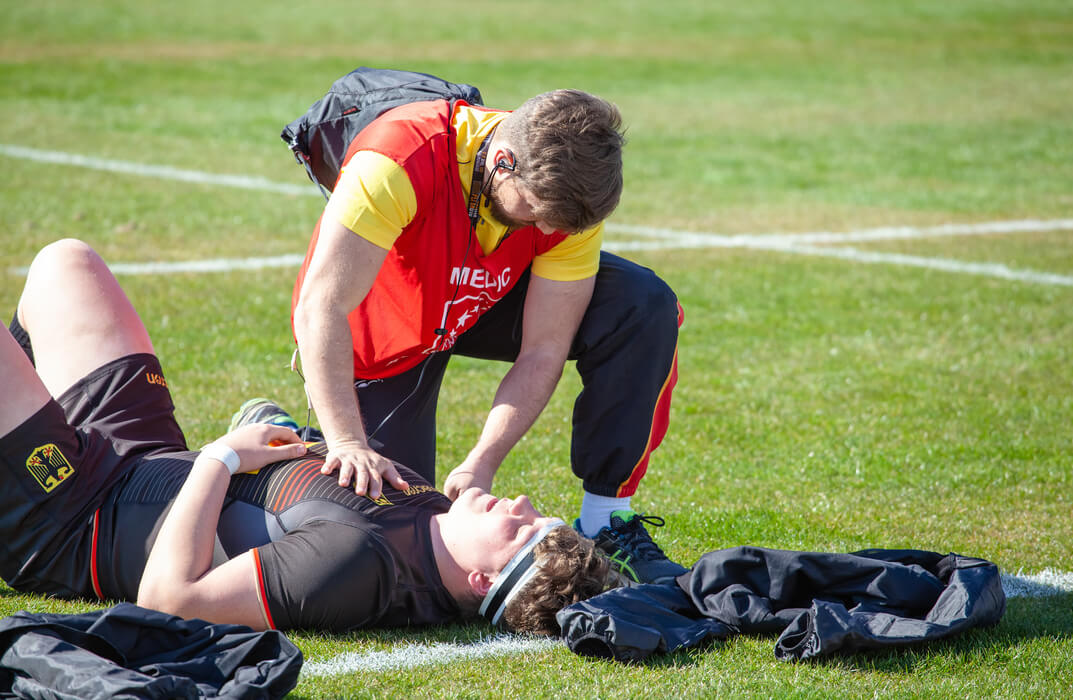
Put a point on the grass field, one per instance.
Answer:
(828, 401)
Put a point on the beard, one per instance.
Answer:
(495, 208)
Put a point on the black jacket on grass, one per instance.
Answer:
(131, 652)
(819, 603)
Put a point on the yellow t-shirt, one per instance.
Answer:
(374, 198)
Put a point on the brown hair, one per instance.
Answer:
(568, 146)
(571, 569)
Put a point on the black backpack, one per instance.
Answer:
(320, 137)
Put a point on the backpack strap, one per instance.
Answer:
(309, 171)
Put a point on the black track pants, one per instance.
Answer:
(626, 352)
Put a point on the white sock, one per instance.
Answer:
(596, 511)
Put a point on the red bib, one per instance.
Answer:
(435, 258)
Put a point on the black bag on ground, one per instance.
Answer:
(320, 137)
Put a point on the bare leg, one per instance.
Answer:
(21, 388)
(77, 315)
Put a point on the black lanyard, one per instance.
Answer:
(476, 186)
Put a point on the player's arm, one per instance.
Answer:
(552, 315)
(178, 577)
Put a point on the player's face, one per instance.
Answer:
(511, 204)
(499, 526)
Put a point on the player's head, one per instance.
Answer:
(515, 566)
(556, 568)
(566, 152)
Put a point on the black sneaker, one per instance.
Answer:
(631, 549)
(262, 411)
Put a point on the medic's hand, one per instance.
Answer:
(368, 468)
(467, 475)
(259, 445)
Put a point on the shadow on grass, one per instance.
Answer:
(6, 592)
(12, 601)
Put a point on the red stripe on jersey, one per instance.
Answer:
(300, 487)
(262, 595)
(286, 487)
(93, 555)
(661, 419)
(292, 486)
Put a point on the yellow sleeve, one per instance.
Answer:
(373, 198)
(575, 258)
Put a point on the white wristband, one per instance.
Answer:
(223, 453)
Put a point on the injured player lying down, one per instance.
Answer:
(101, 498)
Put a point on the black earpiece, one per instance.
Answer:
(505, 164)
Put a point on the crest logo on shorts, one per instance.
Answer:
(49, 466)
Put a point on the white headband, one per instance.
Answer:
(514, 576)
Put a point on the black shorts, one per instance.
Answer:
(65, 460)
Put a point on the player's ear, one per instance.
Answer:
(479, 583)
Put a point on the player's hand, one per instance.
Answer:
(466, 476)
(368, 468)
(259, 444)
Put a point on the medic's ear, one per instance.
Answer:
(505, 160)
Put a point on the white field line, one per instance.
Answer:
(807, 244)
(412, 655)
(1046, 583)
(781, 243)
(775, 243)
(159, 171)
(944, 264)
(793, 243)
(683, 239)
(210, 265)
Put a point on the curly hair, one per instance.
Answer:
(571, 569)
(568, 145)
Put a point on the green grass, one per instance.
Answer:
(823, 404)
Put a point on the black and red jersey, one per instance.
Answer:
(326, 558)
(89, 478)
